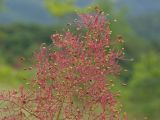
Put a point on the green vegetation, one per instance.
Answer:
(148, 23)
(19, 40)
(143, 92)
(11, 77)
(63, 7)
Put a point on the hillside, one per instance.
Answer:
(29, 11)
(33, 11)
(143, 15)
(139, 7)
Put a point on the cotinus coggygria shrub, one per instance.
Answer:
(72, 78)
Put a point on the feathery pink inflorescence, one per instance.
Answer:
(72, 81)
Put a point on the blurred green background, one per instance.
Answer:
(26, 24)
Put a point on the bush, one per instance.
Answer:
(73, 77)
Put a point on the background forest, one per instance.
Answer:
(26, 24)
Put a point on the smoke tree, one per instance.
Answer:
(72, 80)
